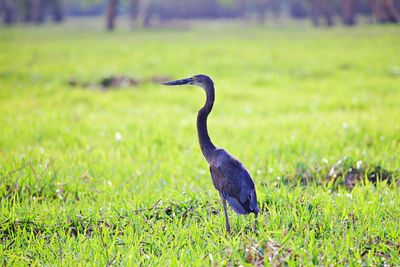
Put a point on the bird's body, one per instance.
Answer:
(233, 182)
(229, 176)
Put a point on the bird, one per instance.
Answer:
(229, 176)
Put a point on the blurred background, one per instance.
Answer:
(153, 13)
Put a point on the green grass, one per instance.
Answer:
(290, 103)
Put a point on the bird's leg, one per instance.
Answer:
(228, 227)
(255, 222)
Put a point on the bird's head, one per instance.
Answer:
(200, 80)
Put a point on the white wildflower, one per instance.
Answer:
(359, 162)
(118, 136)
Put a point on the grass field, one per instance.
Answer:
(116, 177)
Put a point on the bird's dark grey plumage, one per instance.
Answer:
(229, 176)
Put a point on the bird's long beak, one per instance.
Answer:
(180, 82)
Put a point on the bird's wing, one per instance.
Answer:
(237, 186)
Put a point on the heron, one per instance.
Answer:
(229, 176)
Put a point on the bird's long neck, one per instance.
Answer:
(207, 147)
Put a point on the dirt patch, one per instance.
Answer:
(159, 79)
(115, 82)
(349, 173)
(271, 251)
(345, 172)
(118, 81)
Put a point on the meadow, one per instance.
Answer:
(93, 176)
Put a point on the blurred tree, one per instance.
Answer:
(262, 7)
(111, 14)
(25, 10)
(31, 11)
(38, 11)
(133, 11)
(144, 12)
(241, 7)
(348, 12)
(327, 12)
(276, 7)
(392, 11)
(170, 9)
(363, 7)
(85, 7)
(231, 8)
(297, 9)
(57, 10)
(314, 12)
(322, 8)
(8, 10)
(385, 10)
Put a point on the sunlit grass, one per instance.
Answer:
(117, 177)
